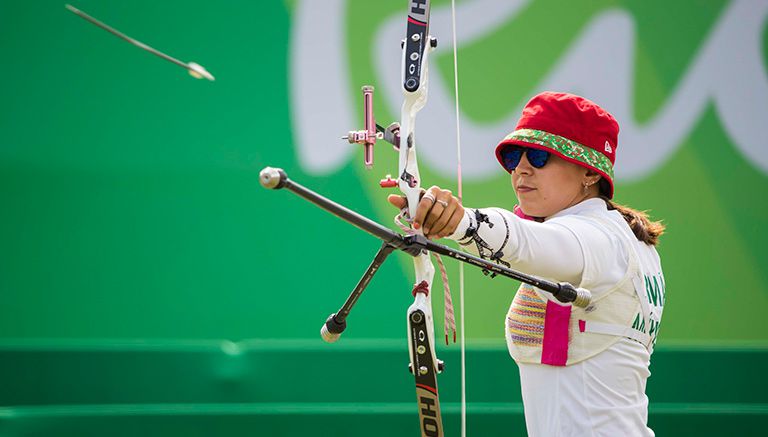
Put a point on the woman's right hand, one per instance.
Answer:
(438, 213)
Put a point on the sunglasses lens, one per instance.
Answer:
(510, 156)
(537, 157)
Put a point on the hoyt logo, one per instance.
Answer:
(429, 420)
(419, 10)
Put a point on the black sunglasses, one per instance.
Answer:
(511, 155)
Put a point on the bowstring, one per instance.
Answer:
(461, 265)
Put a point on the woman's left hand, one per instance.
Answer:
(438, 213)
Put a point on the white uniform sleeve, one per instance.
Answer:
(552, 249)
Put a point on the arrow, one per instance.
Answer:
(195, 70)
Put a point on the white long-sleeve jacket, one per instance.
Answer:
(585, 374)
(550, 249)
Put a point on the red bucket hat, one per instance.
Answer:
(573, 128)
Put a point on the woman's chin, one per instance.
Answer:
(530, 210)
(536, 213)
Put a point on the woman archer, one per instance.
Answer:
(583, 371)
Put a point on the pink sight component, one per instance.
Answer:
(368, 136)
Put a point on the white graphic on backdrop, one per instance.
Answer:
(728, 72)
(319, 87)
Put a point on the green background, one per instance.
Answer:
(132, 221)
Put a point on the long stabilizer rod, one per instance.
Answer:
(275, 178)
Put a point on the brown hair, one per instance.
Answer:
(644, 229)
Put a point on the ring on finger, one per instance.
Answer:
(442, 202)
(430, 197)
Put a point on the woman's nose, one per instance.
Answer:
(524, 167)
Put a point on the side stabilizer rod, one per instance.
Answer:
(337, 322)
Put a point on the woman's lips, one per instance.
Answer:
(524, 189)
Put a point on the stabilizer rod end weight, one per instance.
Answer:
(568, 293)
(273, 178)
(332, 329)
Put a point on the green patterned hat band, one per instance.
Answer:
(569, 149)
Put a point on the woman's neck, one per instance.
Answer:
(592, 193)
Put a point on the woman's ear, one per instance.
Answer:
(592, 177)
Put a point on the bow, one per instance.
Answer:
(424, 365)
(421, 339)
